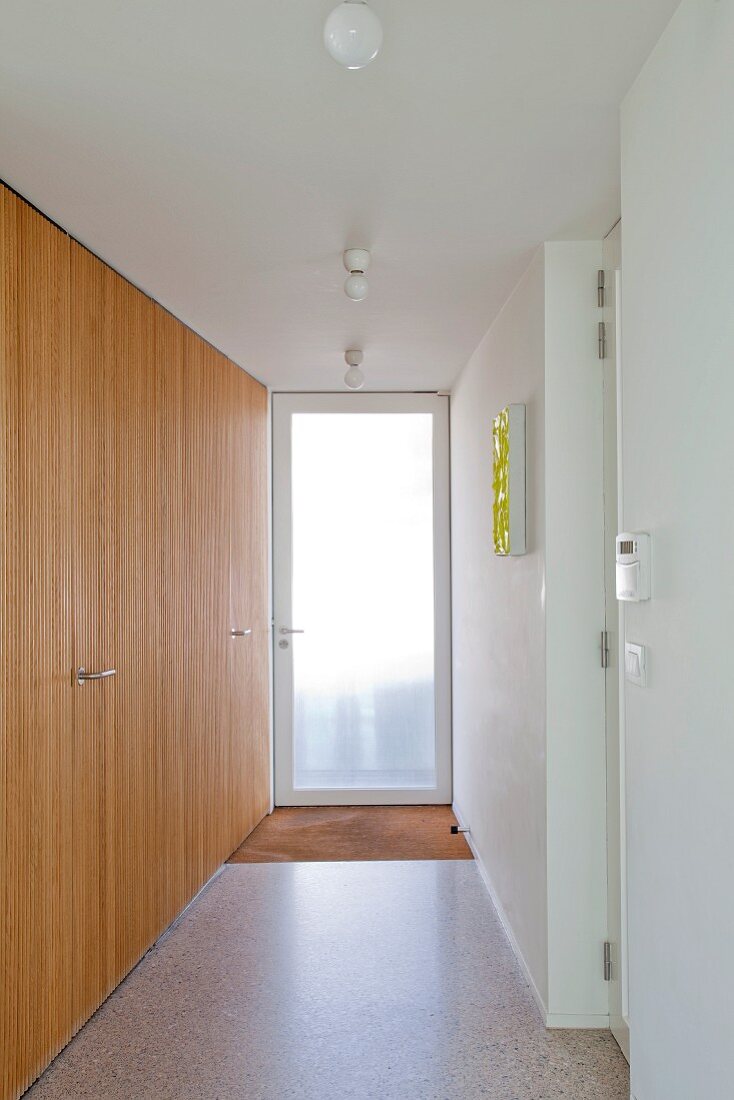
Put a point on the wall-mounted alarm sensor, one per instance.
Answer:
(633, 566)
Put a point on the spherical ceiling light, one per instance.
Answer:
(356, 285)
(354, 379)
(353, 34)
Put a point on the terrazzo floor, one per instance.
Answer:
(333, 981)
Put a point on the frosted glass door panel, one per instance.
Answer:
(363, 593)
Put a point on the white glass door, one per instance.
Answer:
(361, 597)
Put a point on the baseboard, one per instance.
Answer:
(552, 1020)
(562, 1020)
(180, 916)
(494, 898)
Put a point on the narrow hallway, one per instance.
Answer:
(328, 981)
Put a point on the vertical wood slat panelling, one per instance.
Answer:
(257, 797)
(129, 599)
(207, 593)
(119, 799)
(36, 954)
(179, 876)
(249, 692)
(241, 609)
(116, 762)
(94, 879)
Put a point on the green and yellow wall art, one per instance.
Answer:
(508, 449)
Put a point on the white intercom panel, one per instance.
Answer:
(633, 566)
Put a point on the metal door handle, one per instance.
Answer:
(289, 630)
(82, 675)
(240, 633)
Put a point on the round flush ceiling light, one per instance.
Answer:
(354, 379)
(356, 261)
(353, 34)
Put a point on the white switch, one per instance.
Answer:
(635, 669)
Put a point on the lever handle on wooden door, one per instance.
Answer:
(82, 675)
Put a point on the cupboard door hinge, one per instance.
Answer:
(600, 290)
(605, 649)
(602, 339)
(607, 962)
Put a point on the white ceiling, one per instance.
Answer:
(216, 155)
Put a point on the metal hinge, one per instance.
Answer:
(607, 962)
(600, 295)
(605, 649)
(602, 337)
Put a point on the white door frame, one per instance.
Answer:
(284, 405)
(615, 684)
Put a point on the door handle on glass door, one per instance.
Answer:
(290, 630)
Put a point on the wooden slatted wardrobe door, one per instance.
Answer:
(258, 518)
(132, 783)
(133, 476)
(35, 642)
(179, 878)
(206, 687)
(249, 778)
(116, 551)
(260, 596)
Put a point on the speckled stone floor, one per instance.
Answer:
(333, 981)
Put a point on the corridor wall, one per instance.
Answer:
(528, 686)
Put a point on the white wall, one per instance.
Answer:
(529, 747)
(678, 455)
(499, 625)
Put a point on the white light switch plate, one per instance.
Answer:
(635, 664)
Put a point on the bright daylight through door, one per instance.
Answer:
(358, 593)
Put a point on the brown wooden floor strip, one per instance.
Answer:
(334, 833)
